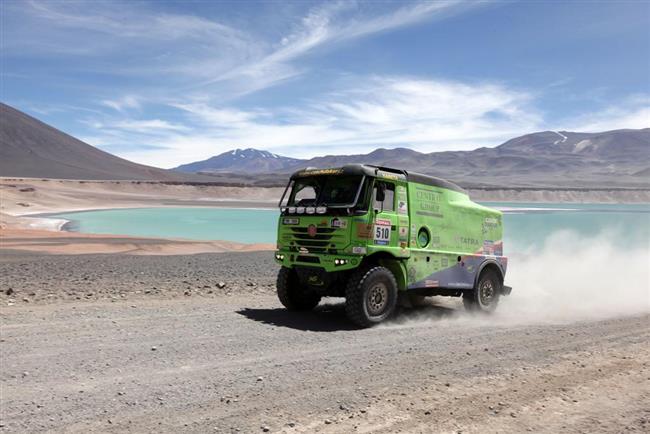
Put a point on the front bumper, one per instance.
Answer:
(328, 262)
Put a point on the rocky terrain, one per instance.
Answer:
(37, 278)
(118, 343)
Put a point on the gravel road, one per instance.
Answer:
(232, 360)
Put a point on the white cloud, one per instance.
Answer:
(633, 112)
(148, 126)
(428, 115)
(123, 103)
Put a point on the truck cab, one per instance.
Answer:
(375, 235)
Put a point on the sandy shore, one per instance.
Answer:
(25, 203)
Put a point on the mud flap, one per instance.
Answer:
(506, 290)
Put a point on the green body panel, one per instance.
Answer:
(463, 237)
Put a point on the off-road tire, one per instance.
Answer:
(370, 295)
(291, 294)
(485, 296)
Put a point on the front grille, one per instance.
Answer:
(323, 241)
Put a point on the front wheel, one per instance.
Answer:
(291, 294)
(370, 296)
(485, 296)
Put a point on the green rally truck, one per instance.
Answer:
(377, 235)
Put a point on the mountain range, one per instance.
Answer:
(245, 160)
(547, 158)
(619, 158)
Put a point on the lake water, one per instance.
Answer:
(526, 225)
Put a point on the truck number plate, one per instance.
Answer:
(382, 232)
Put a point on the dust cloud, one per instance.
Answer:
(571, 278)
(575, 277)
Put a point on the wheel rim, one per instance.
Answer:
(377, 299)
(486, 292)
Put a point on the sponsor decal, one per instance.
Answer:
(359, 250)
(319, 172)
(488, 247)
(466, 240)
(403, 233)
(387, 175)
(312, 230)
(290, 221)
(459, 285)
(498, 248)
(382, 232)
(402, 207)
(338, 223)
(489, 224)
(428, 202)
(322, 223)
(431, 283)
(364, 230)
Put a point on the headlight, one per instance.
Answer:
(310, 210)
(292, 209)
(340, 261)
(321, 210)
(279, 256)
(300, 210)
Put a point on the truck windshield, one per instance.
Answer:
(324, 191)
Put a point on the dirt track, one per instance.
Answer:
(234, 361)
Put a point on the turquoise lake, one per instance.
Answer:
(526, 224)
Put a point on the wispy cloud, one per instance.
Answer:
(632, 112)
(325, 25)
(390, 111)
(123, 103)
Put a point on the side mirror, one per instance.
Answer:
(380, 195)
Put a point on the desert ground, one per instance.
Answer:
(199, 343)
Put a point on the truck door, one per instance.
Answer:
(390, 218)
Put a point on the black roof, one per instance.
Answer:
(372, 171)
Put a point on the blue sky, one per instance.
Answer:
(166, 83)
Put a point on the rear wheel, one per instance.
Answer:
(485, 296)
(370, 296)
(293, 295)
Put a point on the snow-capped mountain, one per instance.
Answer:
(241, 160)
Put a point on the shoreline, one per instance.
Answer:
(29, 207)
(49, 218)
